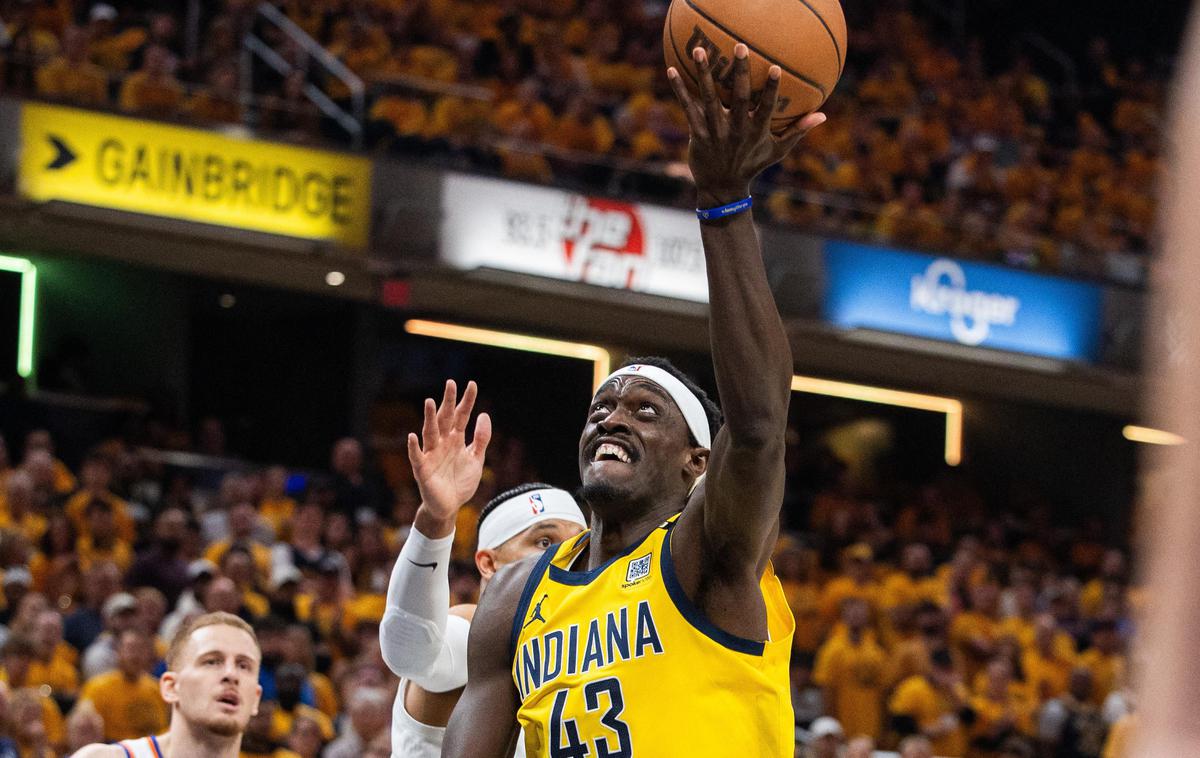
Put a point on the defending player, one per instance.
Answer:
(211, 686)
(662, 631)
(423, 640)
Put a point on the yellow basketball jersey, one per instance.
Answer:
(617, 662)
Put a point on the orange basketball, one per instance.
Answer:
(805, 38)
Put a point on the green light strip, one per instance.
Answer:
(28, 272)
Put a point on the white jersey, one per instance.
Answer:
(412, 739)
(143, 747)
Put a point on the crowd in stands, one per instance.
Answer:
(931, 145)
(924, 619)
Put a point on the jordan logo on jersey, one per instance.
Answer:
(581, 648)
(536, 615)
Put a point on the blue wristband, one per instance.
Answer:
(709, 214)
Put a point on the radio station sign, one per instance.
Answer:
(193, 175)
(488, 223)
(955, 301)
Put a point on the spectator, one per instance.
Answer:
(306, 737)
(290, 711)
(1105, 660)
(36, 734)
(860, 747)
(276, 507)
(54, 660)
(84, 625)
(825, 739)
(851, 668)
(219, 102)
(97, 480)
(858, 581)
(8, 747)
(98, 540)
(370, 715)
(71, 76)
(200, 573)
(305, 550)
(38, 442)
(1070, 726)
(85, 726)
(1002, 708)
(916, 746)
(1048, 666)
(127, 698)
(120, 616)
(153, 89)
(243, 523)
(934, 705)
(163, 564)
(353, 489)
(17, 582)
(17, 509)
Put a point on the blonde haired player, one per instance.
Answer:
(423, 639)
(663, 631)
(211, 687)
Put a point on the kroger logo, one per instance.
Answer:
(942, 291)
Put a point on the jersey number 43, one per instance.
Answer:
(565, 741)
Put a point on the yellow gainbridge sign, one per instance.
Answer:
(193, 175)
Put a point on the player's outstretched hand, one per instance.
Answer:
(446, 468)
(731, 146)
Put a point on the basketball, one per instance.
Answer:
(806, 39)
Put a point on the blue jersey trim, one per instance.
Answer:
(694, 615)
(157, 750)
(122, 746)
(535, 577)
(580, 578)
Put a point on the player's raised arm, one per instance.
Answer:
(729, 148)
(484, 723)
(417, 635)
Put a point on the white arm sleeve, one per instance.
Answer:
(420, 641)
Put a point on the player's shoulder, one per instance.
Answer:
(97, 750)
(502, 598)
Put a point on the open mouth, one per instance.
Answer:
(610, 450)
(230, 699)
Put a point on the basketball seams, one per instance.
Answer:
(832, 38)
(675, 48)
(729, 33)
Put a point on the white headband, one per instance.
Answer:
(689, 404)
(520, 512)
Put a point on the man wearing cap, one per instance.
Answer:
(200, 574)
(120, 615)
(423, 639)
(825, 738)
(663, 630)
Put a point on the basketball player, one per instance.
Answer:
(423, 639)
(1169, 631)
(211, 686)
(663, 631)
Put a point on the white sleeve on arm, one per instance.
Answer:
(420, 641)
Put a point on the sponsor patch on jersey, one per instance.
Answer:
(639, 569)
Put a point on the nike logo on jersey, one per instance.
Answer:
(423, 565)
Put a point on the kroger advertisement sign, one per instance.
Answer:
(968, 303)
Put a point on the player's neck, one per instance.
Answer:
(611, 536)
(184, 740)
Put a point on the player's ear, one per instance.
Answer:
(168, 687)
(697, 462)
(257, 699)
(485, 561)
